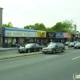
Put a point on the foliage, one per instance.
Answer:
(49, 29)
(8, 25)
(36, 26)
(65, 26)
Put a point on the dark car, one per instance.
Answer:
(53, 48)
(77, 45)
(30, 47)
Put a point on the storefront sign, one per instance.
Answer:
(65, 35)
(50, 34)
(41, 34)
(19, 34)
(59, 35)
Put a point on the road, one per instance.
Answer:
(60, 66)
(9, 52)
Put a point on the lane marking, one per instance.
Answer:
(76, 58)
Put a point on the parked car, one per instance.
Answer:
(77, 45)
(30, 47)
(76, 42)
(53, 48)
(66, 43)
(71, 44)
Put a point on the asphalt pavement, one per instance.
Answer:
(60, 66)
(13, 52)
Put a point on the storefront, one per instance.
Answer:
(13, 36)
(51, 37)
(41, 37)
(59, 37)
(65, 35)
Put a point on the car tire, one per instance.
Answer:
(54, 51)
(62, 50)
(40, 49)
(28, 51)
(45, 52)
(74, 47)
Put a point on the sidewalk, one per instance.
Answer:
(2, 49)
(20, 55)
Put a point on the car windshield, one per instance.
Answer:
(67, 42)
(29, 45)
(52, 45)
(78, 43)
(72, 43)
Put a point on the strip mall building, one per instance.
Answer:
(13, 36)
(9, 37)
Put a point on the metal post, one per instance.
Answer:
(1, 41)
(75, 30)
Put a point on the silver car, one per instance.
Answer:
(53, 48)
(77, 45)
(71, 44)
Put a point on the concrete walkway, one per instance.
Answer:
(20, 55)
(66, 47)
(2, 49)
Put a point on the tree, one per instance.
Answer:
(8, 25)
(65, 26)
(49, 29)
(29, 27)
(68, 26)
(40, 26)
(36, 26)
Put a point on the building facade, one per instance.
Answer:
(13, 36)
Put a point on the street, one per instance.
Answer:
(59, 66)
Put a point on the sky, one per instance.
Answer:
(48, 12)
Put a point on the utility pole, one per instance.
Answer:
(1, 41)
(75, 27)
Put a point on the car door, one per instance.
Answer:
(38, 47)
(57, 47)
(33, 48)
(61, 46)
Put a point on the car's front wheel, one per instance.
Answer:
(19, 51)
(40, 49)
(54, 51)
(28, 51)
(62, 50)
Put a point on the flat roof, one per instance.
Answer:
(20, 29)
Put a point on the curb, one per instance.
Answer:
(23, 54)
(8, 49)
(18, 55)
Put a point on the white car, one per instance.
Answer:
(71, 44)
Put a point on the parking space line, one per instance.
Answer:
(75, 58)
